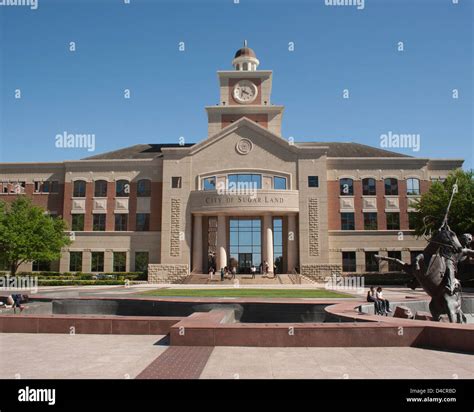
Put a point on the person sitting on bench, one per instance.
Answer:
(371, 297)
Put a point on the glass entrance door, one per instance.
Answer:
(245, 243)
(245, 262)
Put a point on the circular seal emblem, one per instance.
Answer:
(244, 146)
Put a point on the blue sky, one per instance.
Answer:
(135, 46)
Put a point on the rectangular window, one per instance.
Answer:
(278, 244)
(176, 182)
(41, 266)
(393, 267)
(97, 261)
(347, 221)
(348, 261)
(143, 222)
(75, 261)
(313, 181)
(413, 187)
(121, 222)
(414, 254)
(393, 221)
(369, 187)
(370, 221)
(100, 188)
(77, 223)
(209, 183)
(244, 181)
(98, 224)
(120, 261)
(279, 183)
(141, 261)
(371, 264)
(411, 220)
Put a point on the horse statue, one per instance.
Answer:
(435, 270)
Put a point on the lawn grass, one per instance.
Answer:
(249, 293)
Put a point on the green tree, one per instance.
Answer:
(27, 233)
(432, 205)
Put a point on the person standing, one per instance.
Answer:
(253, 270)
(222, 274)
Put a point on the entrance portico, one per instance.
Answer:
(244, 239)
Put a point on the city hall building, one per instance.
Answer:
(242, 196)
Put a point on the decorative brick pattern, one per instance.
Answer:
(320, 273)
(313, 238)
(178, 362)
(167, 273)
(175, 227)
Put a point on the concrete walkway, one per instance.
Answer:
(42, 356)
(336, 363)
(57, 356)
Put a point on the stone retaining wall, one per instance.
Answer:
(320, 273)
(167, 273)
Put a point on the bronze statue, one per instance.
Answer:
(435, 270)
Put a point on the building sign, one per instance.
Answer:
(242, 200)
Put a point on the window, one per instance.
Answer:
(346, 187)
(393, 221)
(413, 187)
(75, 261)
(278, 244)
(144, 188)
(348, 261)
(79, 188)
(97, 261)
(77, 223)
(143, 222)
(411, 220)
(414, 254)
(313, 181)
(209, 183)
(12, 187)
(100, 188)
(279, 183)
(141, 261)
(176, 182)
(371, 264)
(41, 266)
(244, 181)
(98, 222)
(369, 187)
(393, 267)
(48, 186)
(391, 187)
(120, 261)
(370, 221)
(121, 222)
(347, 221)
(122, 188)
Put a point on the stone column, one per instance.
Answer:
(268, 240)
(197, 244)
(221, 258)
(292, 242)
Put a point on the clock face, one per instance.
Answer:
(245, 91)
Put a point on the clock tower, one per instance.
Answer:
(245, 92)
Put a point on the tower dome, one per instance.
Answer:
(245, 59)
